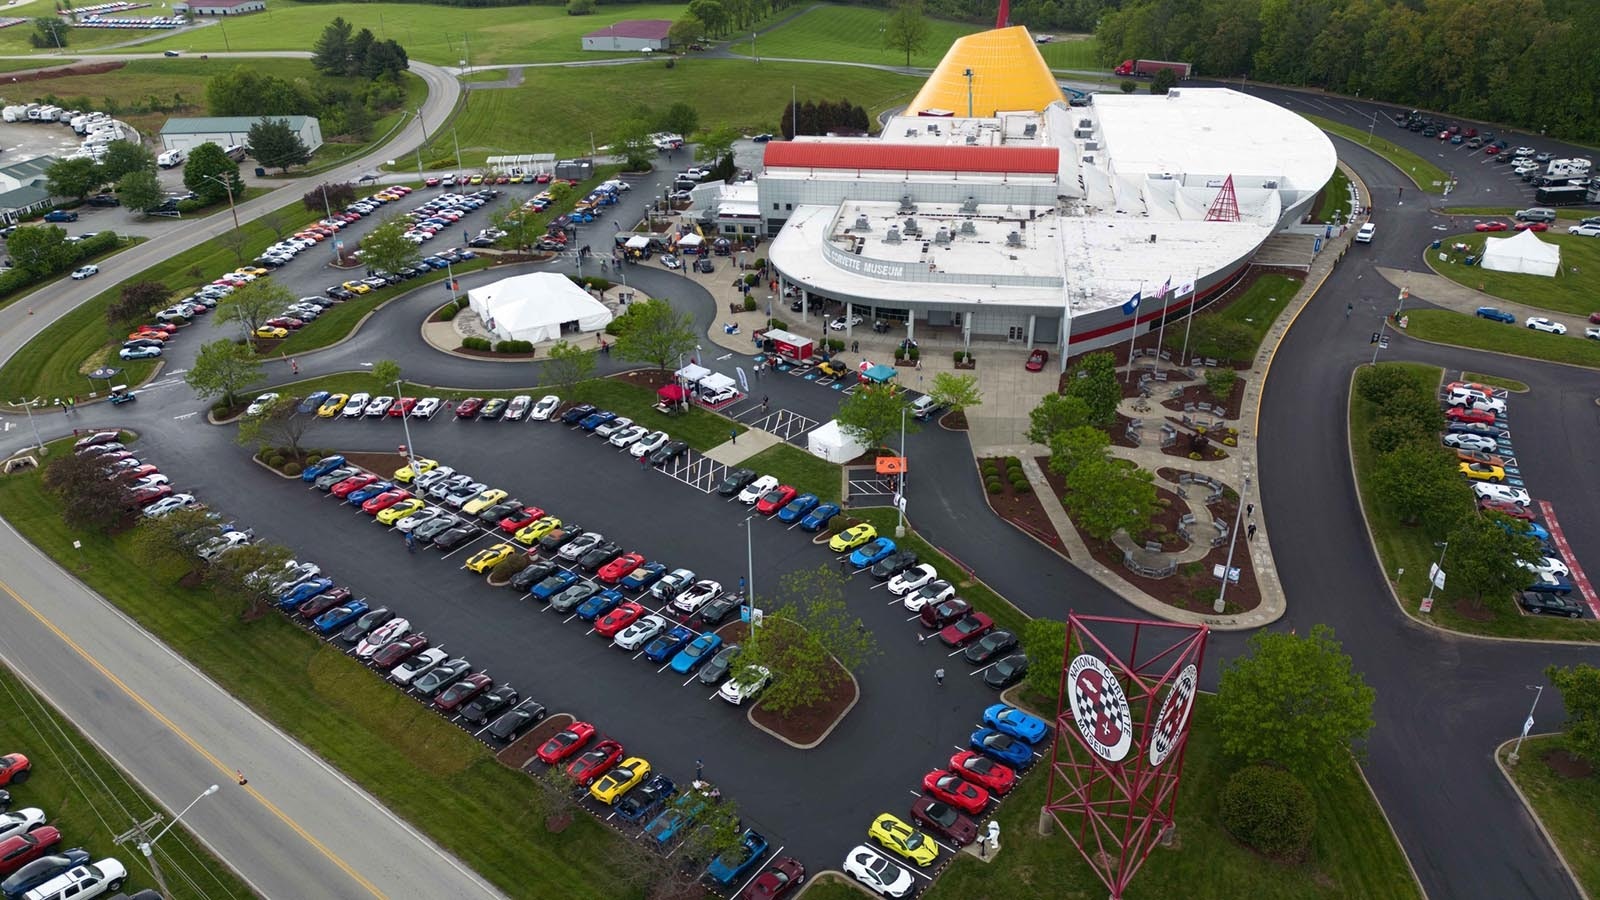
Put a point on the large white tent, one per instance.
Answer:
(1523, 253)
(536, 307)
(833, 443)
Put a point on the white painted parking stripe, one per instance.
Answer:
(982, 669)
(772, 857)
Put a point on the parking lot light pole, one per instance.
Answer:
(27, 407)
(750, 571)
(1527, 725)
(147, 847)
(1233, 540)
(900, 493)
(411, 452)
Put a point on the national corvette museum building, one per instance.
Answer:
(992, 207)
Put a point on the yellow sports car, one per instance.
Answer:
(356, 287)
(1482, 471)
(404, 474)
(851, 538)
(251, 270)
(836, 369)
(483, 501)
(528, 534)
(620, 780)
(898, 837)
(399, 511)
(484, 560)
(332, 405)
(269, 332)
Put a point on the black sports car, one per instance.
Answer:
(358, 629)
(486, 705)
(603, 552)
(434, 527)
(495, 513)
(716, 668)
(894, 564)
(525, 580)
(719, 608)
(577, 413)
(735, 480)
(509, 726)
(1006, 672)
(669, 451)
(455, 537)
(990, 647)
(553, 541)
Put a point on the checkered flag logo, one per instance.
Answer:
(1100, 708)
(1174, 717)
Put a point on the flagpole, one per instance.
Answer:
(1161, 330)
(1134, 333)
(1194, 297)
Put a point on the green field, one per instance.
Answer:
(855, 34)
(426, 770)
(1510, 384)
(1333, 203)
(1256, 309)
(1402, 546)
(444, 35)
(341, 319)
(91, 800)
(1575, 289)
(555, 109)
(1568, 807)
(1424, 174)
(14, 40)
(702, 428)
(792, 466)
(1564, 213)
(1446, 327)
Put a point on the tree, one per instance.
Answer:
(73, 177)
(809, 641)
(955, 392)
(1106, 495)
(140, 190)
(1391, 432)
(1055, 413)
(122, 157)
(873, 412)
(386, 247)
(907, 30)
(330, 55)
(1580, 693)
(716, 144)
(1075, 446)
(1486, 557)
(1378, 384)
(711, 14)
(567, 366)
(167, 543)
(386, 372)
(273, 143)
(135, 302)
(91, 500)
(1164, 80)
(521, 227)
(49, 33)
(1221, 381)
(1294, 700)
(680, 118)
(561, 193)
(40, 250)
(229, 575)
(325, 197)
(1094, 381)
(276, 427)
(1418, 483)
(245, 92)
(685, 31)
(1128, 87)
(210, 174)
(580, 7)
(654, 332)
(632, 142)
(223, 368)
(253, 304)
(1045, 642)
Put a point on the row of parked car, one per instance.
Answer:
(31, 863)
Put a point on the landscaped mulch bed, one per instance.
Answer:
(954, 421)
(1184, 446)
(647, 378)
(1022, 509)
(1118, 434)
(520, 752)
(807, 725)
(493, 354)
(381, 464)
(1199, 393)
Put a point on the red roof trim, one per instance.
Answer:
(880, 156)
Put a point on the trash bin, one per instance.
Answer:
(261, 172)
(1436, 244)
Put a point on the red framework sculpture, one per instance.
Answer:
(1226, 207)
(1122, 724)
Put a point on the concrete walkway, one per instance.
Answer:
(731, 453)
(1443, 292)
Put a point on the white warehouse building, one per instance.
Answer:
(185, 134)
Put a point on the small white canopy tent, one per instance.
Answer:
(638, 242)
(833, 444)
(535, 307)
(716, 381)
(1523, 253)
(689, 241)
(691, 374)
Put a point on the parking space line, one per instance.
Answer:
(771, 858)
(982, 669)
(954, 652)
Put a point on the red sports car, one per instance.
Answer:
(966, 630)
(1463, 414)
(452, 697)
(619, 568)
(391, 654)
(948, 787)
(152, 335)
(618, 619)
(149, 495)
(469, 407)
(995, 777)
(775, 499)
(134, 473)
(402, 407)
(521, 519)
(384, 500)
(352, 484)
(1508, 508)
(1490, 226)
(1036, 360)
(289, 322)
(1490, 149)
(14, 769)
(781, 876)
(18, 851)
(596, 762)
(1532, 226)
(542, 178)
(566, 743)
(321, 603)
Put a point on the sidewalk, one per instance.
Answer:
(1441, 291)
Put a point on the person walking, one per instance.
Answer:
(1250, 533)
(733, 436)
(411, 542)
(699, 770)
(1250, 510)
(1348, 308)
(938, 676)
(294, 366)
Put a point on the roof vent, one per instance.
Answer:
(912, 228)
(972, 139)
(1270, 185)
(969, 205)
(911, 132)
(906, 206)
(1014, 239)
(893, 237)
(942, 236)
(968, 228)
(863, 223)
(1031, 129)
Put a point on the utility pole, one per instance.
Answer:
(138, 837)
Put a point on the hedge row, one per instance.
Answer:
(17, 280)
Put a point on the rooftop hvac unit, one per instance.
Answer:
(1031, 129)
(1270, 185)
(969, 205)
(893, 237)
(972, 139)
(906, 206)
(1091, 145)
(1085, 123)
(911, 228)
(863, 223)
(1083, 133)
(1014, 239)
(968, 228)
(942, 236)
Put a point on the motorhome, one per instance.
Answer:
(170, 158)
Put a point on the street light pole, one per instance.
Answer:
(1233, 540)
(900, 495)
(147, 846)
(27, 407)
(1427, 602)
(411, 452)
(1527, 725)
(238, 252)
(750, 571)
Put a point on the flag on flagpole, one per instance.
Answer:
(1186, 288)
(1132, 306)
(1162, 294)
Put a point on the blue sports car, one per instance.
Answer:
(357, 498)
(1015, 722)
(555, 584)
(303, 591)
(647, 799)
(817, 519)
(1528, 529)
(798, 508)
(871, 552)
(666, 826)
(321, 467)
(699, 650)
(337, 618)
(643, 577)
(1495, 314)
(311, 403)
(571, 416)
(731, 865)
(598, 605)
(661, 648)
(596, 419)
(1002, 747)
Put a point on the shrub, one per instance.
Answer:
(510, 566)
(990, 467)
(1270, 811)
(1013, 462)
(916, 353)
(275, 460)
(1022, 487)
(752, 279)
(760, 263)
(448, 312)
(993, 485)
(749, 303)
(1221, 382)
(513, 347)
(292, 468)
(1230, 441)
(313, 458)
(835, 345)
(781, 325)
(899, 353)
(1193, 455)
(474, 343)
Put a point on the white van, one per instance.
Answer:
(82, 882)
(1365, 233)
(170, 158)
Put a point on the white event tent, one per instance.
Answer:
(536, 307)
(1523, 253)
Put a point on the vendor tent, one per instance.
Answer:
(689, 243)
(672, 393)
(537, 307)
(716, 381)
(1522, 253)
(833, 443)
(879, 373)
(638, 242)
(691, 373)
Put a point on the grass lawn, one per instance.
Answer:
(1510, 384)
(1563, 213)
(15, 40)
(1427, 176)
(1333, 203)
(702, 428)
(341, 319)
(498, 122)
(91, 800)
(1352, 855)
(1572, 290)
(444, 35)
(855, 34)
(793, 466)
(426, 770)
(1401, 546)
(1256, 309)
(1462, 330)
(1569, 807)
(125, 243)
(18, 65)
(53, 363)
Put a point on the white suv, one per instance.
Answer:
(82, 882)
(1585, 230)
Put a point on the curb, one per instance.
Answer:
(1534, 814)
(834, 877)
(750, 717)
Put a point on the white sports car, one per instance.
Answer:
(418, 517)
(698, 595)
(518, 408)
(545, 408)
(630, 436)
(168, 504)
(260, 405)
(418, 665)
(1549, 326)
(380, 637)
(911, 579)
(639, 633)
(932, 592)
(877, 873)
(379, 406)
(756, 489)
(746, 684)
(1481, 442)
(356, 405)
(425, 408)
(612, 427)
(1505, 493)
(649, 444)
